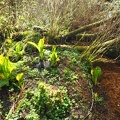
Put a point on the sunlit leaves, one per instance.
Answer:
(53, 56)
(19, 76)
(6, 68)
(39, 47)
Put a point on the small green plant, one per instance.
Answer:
(18, 51)
(19, 78)
(6, 68)
(97, 98)
(54, 57)
(96, 73)
(72, 62)
(39, 47)
(69, 76)
(56, 101)
(7, 73)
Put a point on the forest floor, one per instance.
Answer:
(109, 89)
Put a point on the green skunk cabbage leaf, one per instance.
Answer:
(3, 83)
(41, 44)
(96, 73)
(6, 68)
(35, 45)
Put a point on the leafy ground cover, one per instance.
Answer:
(58, 82)
(59, 92)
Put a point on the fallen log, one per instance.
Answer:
(86, 37)
(111, 42)
(95, 49)
(82, 48)
(85, 28)
(80, 30)
(79, 48)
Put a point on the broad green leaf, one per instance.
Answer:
(4, 82)
(35, 45)
(6, 68)
(53, 56)
(40, 47)
(10, 65)
(2, 59)
(97, 72)
(41, 44)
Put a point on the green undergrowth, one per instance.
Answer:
(59, 92)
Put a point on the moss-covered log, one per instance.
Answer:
(81, 30)
(82, 48)
(86, 37)
(85, 28)
(111, 42)
(79, 48)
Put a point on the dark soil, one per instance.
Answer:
(109, 89)
(4, 96)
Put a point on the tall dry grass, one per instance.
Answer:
(62, 16)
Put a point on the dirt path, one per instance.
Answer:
(109, 89)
